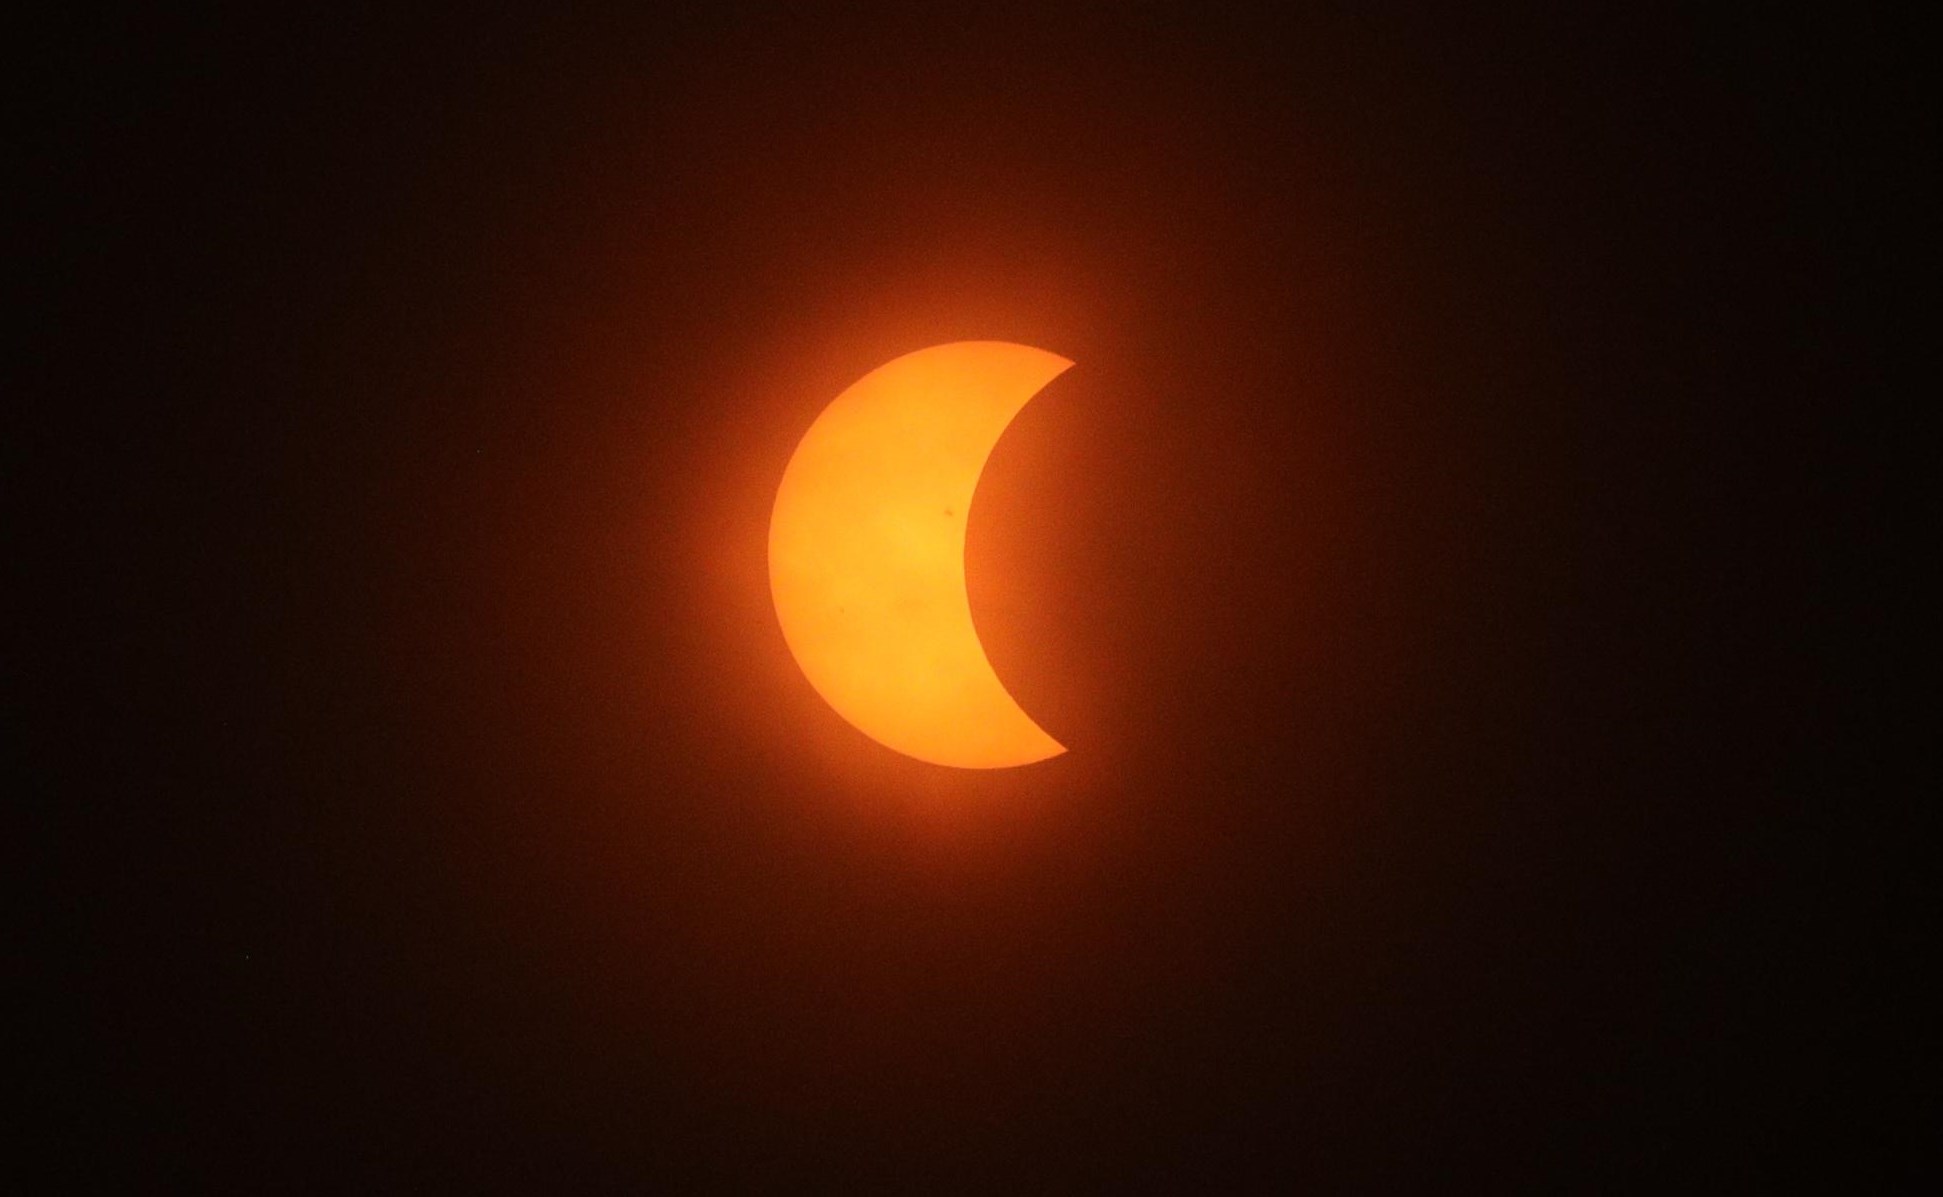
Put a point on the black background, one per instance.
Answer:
(1437, 563)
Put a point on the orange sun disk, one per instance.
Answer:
(867, 553)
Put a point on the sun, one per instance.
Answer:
(867, 553)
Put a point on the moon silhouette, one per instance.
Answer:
(867, 553)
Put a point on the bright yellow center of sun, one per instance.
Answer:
(867, 553)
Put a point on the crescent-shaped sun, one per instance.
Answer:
(867, 553)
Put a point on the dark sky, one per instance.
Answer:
(1436, 563)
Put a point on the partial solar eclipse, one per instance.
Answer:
(867, 553)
